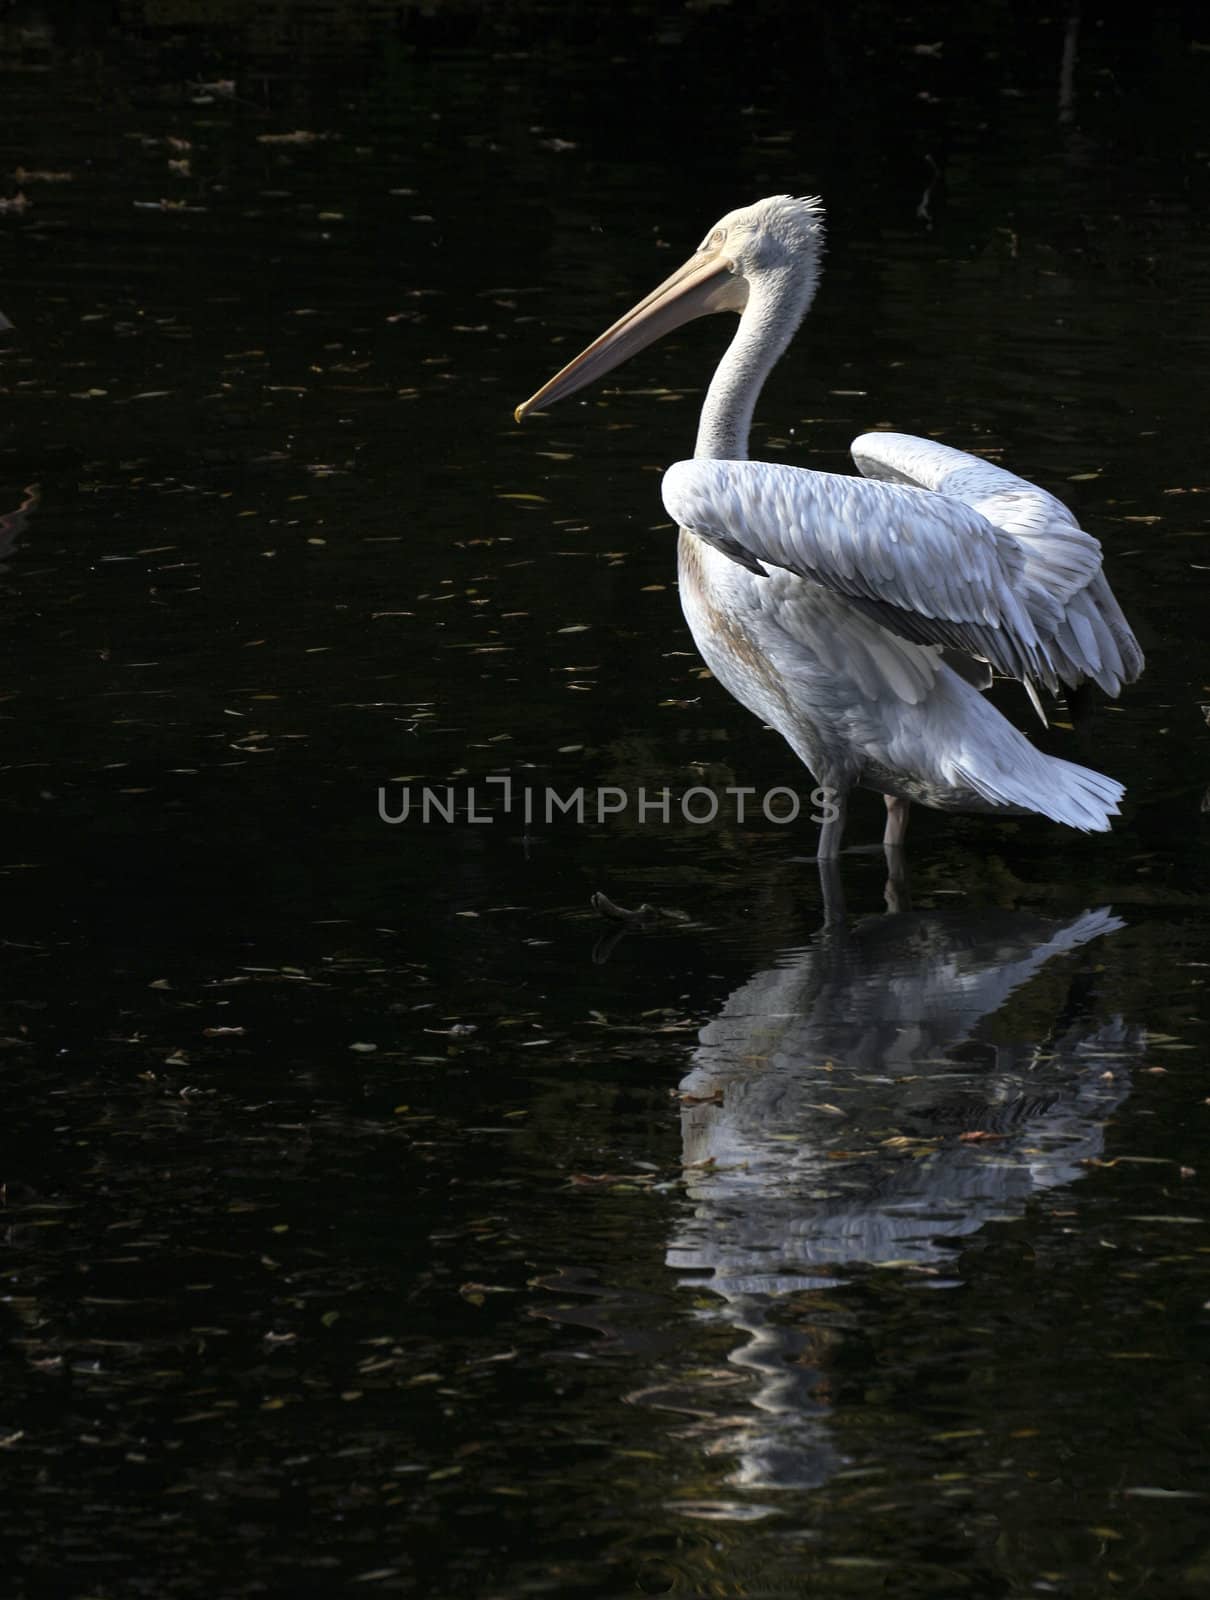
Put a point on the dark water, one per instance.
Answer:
(377, 1216)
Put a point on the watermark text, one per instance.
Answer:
(699, 806)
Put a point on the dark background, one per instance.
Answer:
(285, 1315)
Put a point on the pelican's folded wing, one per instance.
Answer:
(926, 566)
(1064, 589)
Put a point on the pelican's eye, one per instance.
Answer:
(717, 240)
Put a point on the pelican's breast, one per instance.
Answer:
(724, 616)
(715, 622)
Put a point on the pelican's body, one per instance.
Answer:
(858, 617)
(833, 683)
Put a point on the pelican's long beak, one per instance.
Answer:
(707, 282)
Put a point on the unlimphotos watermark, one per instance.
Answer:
(699, 805)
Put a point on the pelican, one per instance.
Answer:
(862, 617)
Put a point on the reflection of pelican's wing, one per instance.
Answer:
(891, 992)
(855, 1045)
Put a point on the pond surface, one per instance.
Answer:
(379, 1217)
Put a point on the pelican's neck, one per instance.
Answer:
(776, 305)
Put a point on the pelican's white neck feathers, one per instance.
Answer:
(775, 247)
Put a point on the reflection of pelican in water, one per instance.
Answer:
(858, 617)
(823, 1125)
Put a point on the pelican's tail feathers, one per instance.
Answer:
(1027, 780)
(1088, 925)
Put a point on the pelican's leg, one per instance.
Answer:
(833, 827)
(896, 819)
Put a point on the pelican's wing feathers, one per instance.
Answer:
(926, 566)
(1064, 589)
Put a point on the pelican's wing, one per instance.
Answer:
(926, 566)
(1064, 589)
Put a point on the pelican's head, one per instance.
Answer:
(770, 248)
(780, 234)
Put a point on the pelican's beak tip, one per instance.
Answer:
(519, 413)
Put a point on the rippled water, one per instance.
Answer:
(377, 1213)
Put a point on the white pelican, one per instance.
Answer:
(861, 619)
